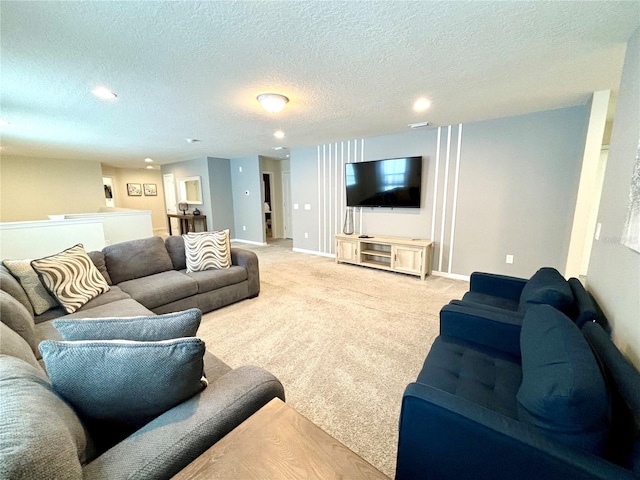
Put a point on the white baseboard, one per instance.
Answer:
(453, 276)
(313, 252)
(250, 242)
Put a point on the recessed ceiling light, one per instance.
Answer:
(104, 93)
(278, 148)
(192, 140)
(148, 160)
(272, 102)
(279, 134)
(287, 155)
(421, 105)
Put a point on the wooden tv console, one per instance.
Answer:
(397, 254)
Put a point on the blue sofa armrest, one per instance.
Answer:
(170, 442)
(448, 437)
(488, 326)
(497, 285)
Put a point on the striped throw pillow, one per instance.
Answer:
(71, 277)
(207, 250)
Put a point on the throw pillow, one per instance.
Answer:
(117, 386)
(28, 278)
(71, 277)
(142, 329)
(563, 393)
(207, 250)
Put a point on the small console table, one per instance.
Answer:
(398, 254)
(188, 222)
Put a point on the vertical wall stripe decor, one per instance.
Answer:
(445, 195)
(332, 203)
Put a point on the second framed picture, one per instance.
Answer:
(150, 189)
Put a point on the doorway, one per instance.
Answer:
(170, 199)
(109, 191)
(268, 206)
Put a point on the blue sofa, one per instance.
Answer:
(552, 402)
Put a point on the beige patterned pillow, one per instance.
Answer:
(71, 277)
(28, 278)
(207, 250)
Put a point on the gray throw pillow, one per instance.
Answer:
(152, 328)
(117, 386)
(40, 299)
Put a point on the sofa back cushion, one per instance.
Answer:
(98, 260)
(17, 318)
(136, 258)
(175, 247)
(40, 435)
(10, 284)
(13, 344)
(563, 393)
(546, 287)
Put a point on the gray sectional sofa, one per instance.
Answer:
(41, 436)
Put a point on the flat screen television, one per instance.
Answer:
(393, 182)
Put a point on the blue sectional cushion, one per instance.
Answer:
(546, 287)
(491, 301)
(152, 328)
(117, 386)
(479, 374)
(563, 391)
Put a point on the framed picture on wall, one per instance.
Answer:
(150, 189)
(134, 189)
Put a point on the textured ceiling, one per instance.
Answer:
(351, 69)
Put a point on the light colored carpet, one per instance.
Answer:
(344, 341)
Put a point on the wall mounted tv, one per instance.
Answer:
(394, 182)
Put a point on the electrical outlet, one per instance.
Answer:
(244, 228)
(509, 258)
(306, 235)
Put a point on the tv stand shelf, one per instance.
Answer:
(397, 254)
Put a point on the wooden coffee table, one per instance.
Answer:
(278, 443)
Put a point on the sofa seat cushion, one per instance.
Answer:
(161, 288)
(563, 393)
(136, 258)
(209, 280)
(40, 435)
(546, 287)
(113, 295)
(491, 301)
(481, 375)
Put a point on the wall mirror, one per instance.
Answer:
(190, 190)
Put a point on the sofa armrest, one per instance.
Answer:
(497, 285)
(248, 260)
(488, 326)
(170, 442)
(448, 437)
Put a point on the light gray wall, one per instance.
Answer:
(518, 186)
(304, 190)
(491, 188)
(246, 184)
(190, 168)
(613, 276)
(221, 194)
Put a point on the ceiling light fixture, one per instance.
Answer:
(149, 167)
(278, 148)
(104, 93)
(148, 160)
(272, 102)
(419, 124)
(421, 105)
(279, 134)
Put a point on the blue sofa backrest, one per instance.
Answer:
(623, 386)
(546, 287)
